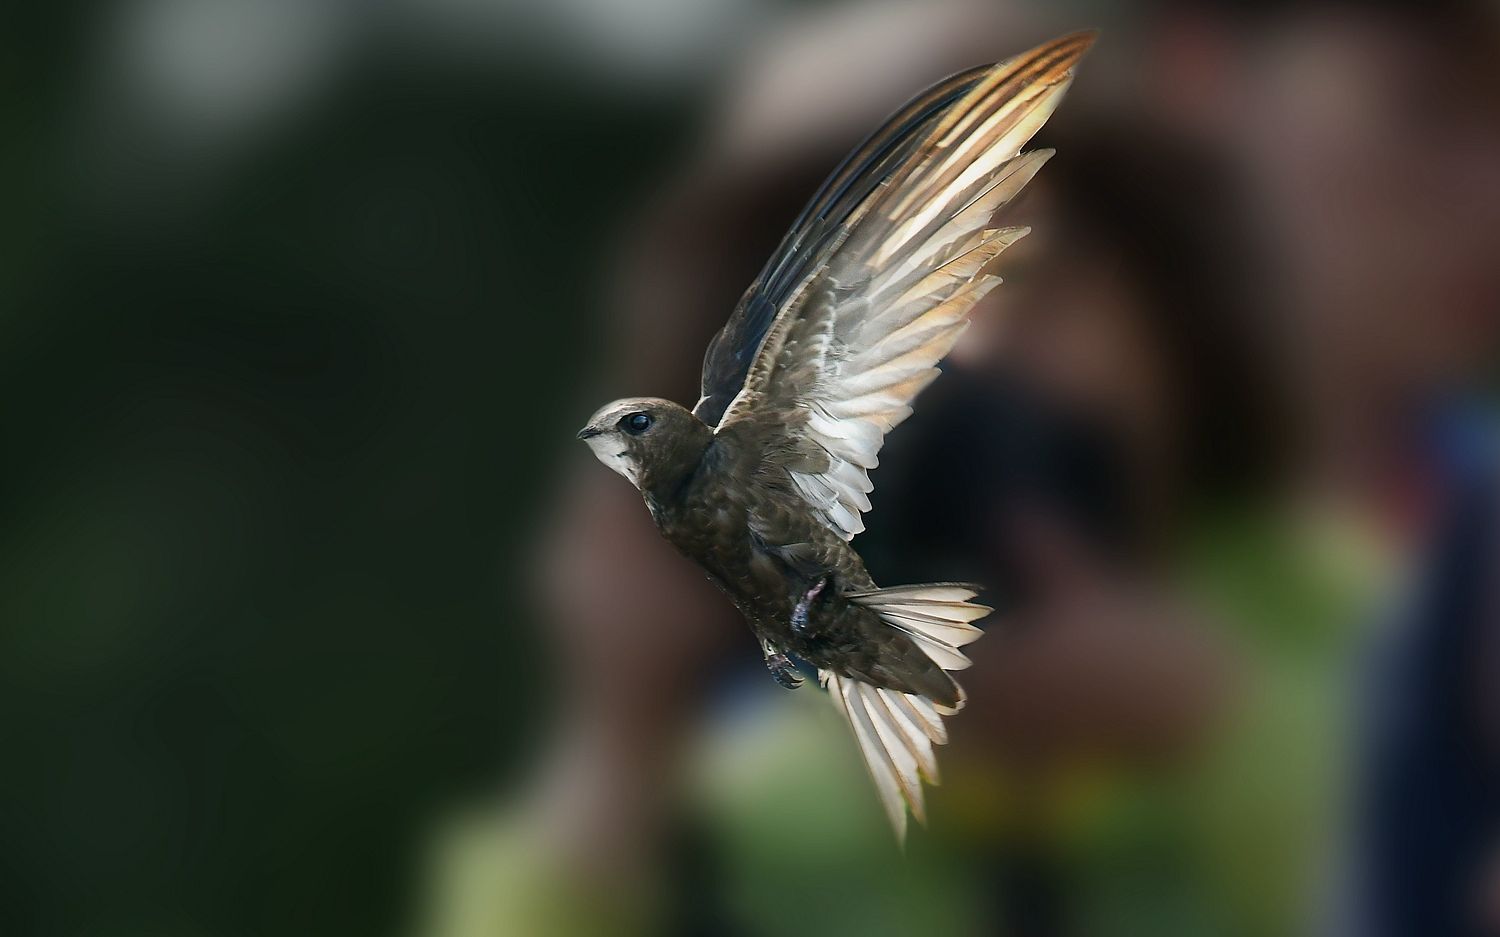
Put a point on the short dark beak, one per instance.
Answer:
(589, 432)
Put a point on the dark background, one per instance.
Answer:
(277, 420)
(301, 302)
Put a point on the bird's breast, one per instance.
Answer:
(710, 525)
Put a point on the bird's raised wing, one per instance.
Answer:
(815, 235)
(874, 283)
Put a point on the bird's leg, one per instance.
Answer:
(783, 671)
(804, 604)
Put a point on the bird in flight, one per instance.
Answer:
(763, 483)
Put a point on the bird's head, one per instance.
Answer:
(646, 439)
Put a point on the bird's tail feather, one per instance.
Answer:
(895, 730)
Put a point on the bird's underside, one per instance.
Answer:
(764, 482)
(798, 584)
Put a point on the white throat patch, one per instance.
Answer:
(610, 449)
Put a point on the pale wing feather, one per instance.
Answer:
(816, 234)
(846, 696)
(861, 335)
(896, 731)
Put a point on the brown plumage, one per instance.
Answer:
(764, 482)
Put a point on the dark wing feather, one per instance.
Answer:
(868, 305)
(814, 234)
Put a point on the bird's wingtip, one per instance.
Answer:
(1078, 42)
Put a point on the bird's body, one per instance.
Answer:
(756, 540)
(764, 481)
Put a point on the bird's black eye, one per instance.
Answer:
(636, 423)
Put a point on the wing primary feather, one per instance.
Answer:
(894, 750)
(895, 733)
(877, 760)
(874, 284)
(822, 223)
(913, 735)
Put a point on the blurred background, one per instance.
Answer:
(316, 619)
